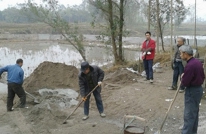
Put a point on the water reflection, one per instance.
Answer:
(33, 58)
(56, 53)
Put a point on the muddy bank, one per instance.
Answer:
(123, 92)
(52, 76)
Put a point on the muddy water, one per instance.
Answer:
(35, 53)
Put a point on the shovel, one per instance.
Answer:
(31, 96)
(160, 130)
(65, 121)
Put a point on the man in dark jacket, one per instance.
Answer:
(15, 79)
(192, 78)
(89, 78)
(148, 52)
(177, 65)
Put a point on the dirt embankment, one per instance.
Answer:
(123, 92)
(52, 75)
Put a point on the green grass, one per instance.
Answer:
(86, 28)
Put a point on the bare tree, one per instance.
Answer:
(48, 12)
(164, 10)
(158, 26)
(149, 14)
(113, 12)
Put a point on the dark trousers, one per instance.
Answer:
(13, 89)
(193, 97)
(148, 68)
(98, 100)
(178, 70)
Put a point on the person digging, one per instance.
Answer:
(89, 78)
(15, 78)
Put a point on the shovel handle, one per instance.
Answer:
(79, 104)
(171, 104)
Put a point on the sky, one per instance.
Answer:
(9, 3)
(201, 4)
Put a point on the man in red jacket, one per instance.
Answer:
(148, 53)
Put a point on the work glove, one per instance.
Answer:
(84, 98)
(99, 83)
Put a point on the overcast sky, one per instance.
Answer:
(6, 3)
(201, 5)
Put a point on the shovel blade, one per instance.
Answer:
(36, 101)
(65, 122)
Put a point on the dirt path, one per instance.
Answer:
(123, 93)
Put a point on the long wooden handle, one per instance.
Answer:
(80, 104)
(92, 91)
(134, 117)
(170, 106)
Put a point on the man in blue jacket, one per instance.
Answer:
(89, 78)
(15, 79)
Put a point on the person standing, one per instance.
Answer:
(148, 50)
(177, 65)
(192, 78)
(89, 78)
(15, 79)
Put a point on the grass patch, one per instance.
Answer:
(162, 58)
(86, 28)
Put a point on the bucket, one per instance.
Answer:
(133, 130)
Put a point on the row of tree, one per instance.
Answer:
(19, 14)
(113, 16)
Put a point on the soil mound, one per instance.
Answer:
(52, 75)
(121, 76)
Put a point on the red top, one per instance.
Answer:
(151, 46)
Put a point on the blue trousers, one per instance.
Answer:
(178, 70)
(148, 68)
(98, 100)
(193, 97)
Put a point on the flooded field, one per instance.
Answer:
(35, 53)
(123, 93)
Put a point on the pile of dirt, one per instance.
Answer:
(121, 76)
(52, 75)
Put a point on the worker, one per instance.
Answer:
(192, 79)
(148, 54)
(89, 78)
(15, 77)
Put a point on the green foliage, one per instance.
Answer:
(112, 12)
(14, 15)
(20, 13)
(165, 12)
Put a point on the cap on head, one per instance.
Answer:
(187, 49)
(84, 66)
